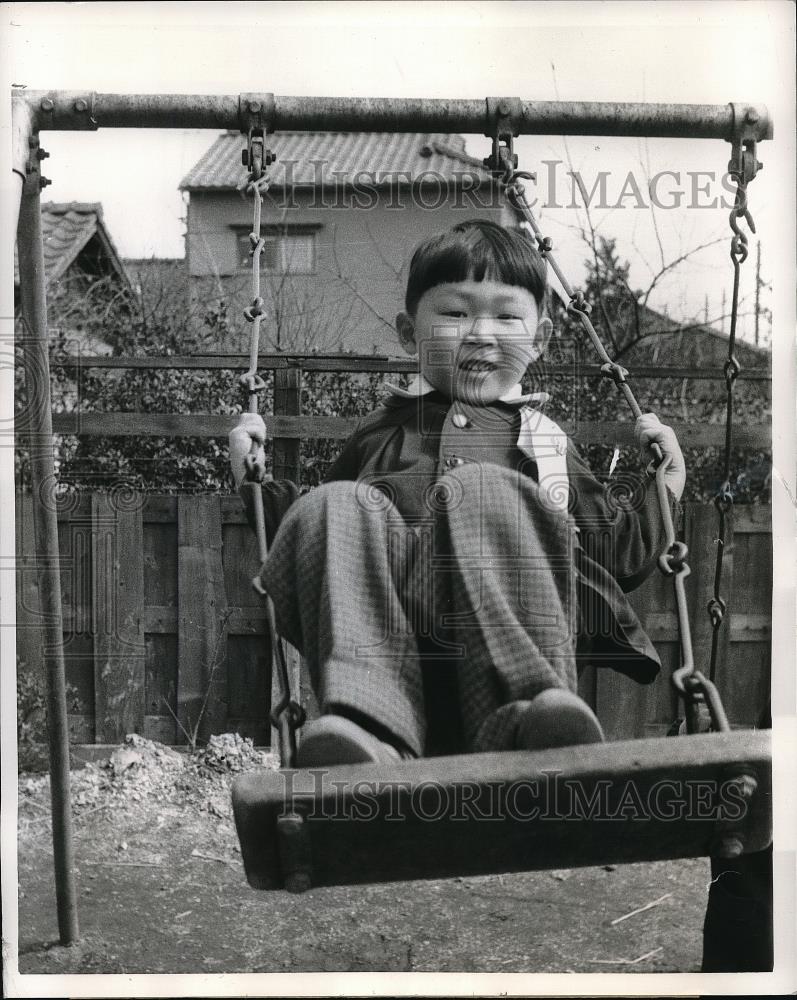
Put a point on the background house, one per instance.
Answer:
(84, 273)
(341, 218)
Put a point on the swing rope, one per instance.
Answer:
(693, 687)
(287, 715)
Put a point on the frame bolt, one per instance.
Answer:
(752, 115)
(46, 104)
(80, 104)
(730, 847)
(44, 181)
(503, 108)
(41, 154)
(254, 106)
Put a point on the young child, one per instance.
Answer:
(460, 557)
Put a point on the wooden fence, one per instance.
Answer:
(164, 636)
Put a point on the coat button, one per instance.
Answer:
(460, 420)
(454, 462)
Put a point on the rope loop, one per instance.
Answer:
(674, 559)
(545, 243)
(615, 372)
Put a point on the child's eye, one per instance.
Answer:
(508, 316)
(453, 313)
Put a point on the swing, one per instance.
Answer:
(621, 802)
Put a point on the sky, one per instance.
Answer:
(694, 52)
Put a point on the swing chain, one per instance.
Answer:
(287, 715)
(742, 168)
(691, 684)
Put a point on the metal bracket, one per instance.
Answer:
(256, 111)
(502, 115)
(295, 853)
(750, 123)
(62, 109)
(728, 841)
(34, 179)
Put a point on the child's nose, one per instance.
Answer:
(481, 331)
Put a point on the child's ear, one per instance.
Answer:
(542, 336)
(405, 325)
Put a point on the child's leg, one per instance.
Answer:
(508, 581)
(337, 573)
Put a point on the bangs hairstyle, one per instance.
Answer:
(477, 250)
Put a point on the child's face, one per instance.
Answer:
(474, 339)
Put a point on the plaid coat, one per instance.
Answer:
(619, 531)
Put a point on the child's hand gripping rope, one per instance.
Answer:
(650, 430)
(248, 429)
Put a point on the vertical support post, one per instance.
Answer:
(45, 526)
(287, 403)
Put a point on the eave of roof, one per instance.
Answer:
(67, 227)
(316, 160)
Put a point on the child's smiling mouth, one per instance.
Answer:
(477, 365)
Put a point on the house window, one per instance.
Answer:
(286, 250)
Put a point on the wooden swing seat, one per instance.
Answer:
(612, 803)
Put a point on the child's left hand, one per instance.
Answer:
(649, 430)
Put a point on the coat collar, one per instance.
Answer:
(420, 387)
(539, 437)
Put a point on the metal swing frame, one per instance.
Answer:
(291, 857)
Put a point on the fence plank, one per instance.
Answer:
(201, 663)
(287, 403)
(210, 425)
(119, 652)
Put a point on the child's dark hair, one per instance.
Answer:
(480, 250)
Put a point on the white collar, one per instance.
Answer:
(540, 437)
(420, 387)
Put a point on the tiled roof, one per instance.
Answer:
(336, 158)
(66, 229)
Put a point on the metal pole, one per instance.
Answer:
(45, 525)
(86, 110)
(21, 135)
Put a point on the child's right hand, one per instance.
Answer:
(248, 429)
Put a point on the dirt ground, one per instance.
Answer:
(161, 889)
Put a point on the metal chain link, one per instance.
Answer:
(287, 715)
(723, 501)
(689, 682)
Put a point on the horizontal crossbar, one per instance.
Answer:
(646, 800)
(211, 425)
(88, 110)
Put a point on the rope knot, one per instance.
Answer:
(255, 310)
(252, 383)
(674, 559)
(579, 304)
(615, 372)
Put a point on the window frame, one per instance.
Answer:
(281, 231)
